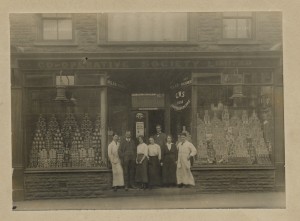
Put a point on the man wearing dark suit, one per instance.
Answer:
(160, 138)
(127, 154)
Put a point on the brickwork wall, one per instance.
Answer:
(96, 184)
(235, 180)
(66, 185)
(205, 31)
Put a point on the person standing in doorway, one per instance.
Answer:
(141, 175)
(113, 155)
(160, 138)
(186, 150)
(178, 140)
(169, 155)
(154, 167)
(127, 153)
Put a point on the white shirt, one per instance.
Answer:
(154, 150)
(142, 149)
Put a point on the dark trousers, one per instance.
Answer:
(129, 172)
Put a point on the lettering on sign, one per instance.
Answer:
(145, 64)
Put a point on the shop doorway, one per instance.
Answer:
(144, 122)
(156, 117)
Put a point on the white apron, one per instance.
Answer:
(117, 171)
(183, 172)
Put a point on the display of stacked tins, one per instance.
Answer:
(86, 125)
(82, 157)
(235, 140)
(70, 147)
(43, 161)
(68, 129)
(52, 158)
(53, 125)
(41, 125)
(77, 144)
(96, 144)
(37, 145)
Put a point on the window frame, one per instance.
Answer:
(40, 32)
(102, 35)
(272, 84)
(251, 40)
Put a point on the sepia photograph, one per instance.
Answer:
(147, 110)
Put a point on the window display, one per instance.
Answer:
(63, 133)
(73, 146)
(234, 124)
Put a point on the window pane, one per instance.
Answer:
(252, 77)
(244, 28)
(229, 28)
(64, 80)
(64, 29)
(64, 134)
(50, 29)
(147, 27)
(234, 125)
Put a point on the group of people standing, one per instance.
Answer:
(160, 163)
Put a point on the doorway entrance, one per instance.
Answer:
(144, 122)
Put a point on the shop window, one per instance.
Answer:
(237, 25)
(56, 27)
(235, 122)
(147, 27)
(63, 126)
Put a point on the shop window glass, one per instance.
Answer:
(88, 79)
(235, 124)
(39, 80)
(63, 128)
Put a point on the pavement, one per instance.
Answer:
(160, 199)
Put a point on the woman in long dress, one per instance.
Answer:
(154, 167)
(186, 150)
(169, 155)
(141, 172)
(117, 171)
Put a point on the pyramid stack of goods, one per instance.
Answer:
(38, 144)
(77, 144)
(68, 129)
(201, 142)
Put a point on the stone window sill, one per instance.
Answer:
(55, 43)
(162, 44)
(238, 42)
(65, 170)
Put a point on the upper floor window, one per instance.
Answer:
(237, 25)
(147, 27)
(57, 26)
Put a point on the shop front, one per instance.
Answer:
(231, 107)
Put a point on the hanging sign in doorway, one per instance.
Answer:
(181, 98)
(140, 129)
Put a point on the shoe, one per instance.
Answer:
(180, 185)
(134, 187)
(126, 188)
